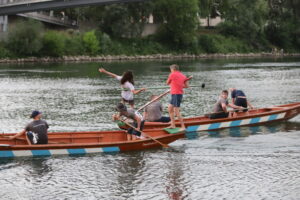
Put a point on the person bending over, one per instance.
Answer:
(138, 121)
(239, 98)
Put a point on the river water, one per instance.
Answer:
(241, 163)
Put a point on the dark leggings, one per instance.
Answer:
(134, 132)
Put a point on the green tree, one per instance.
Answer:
(244, 19)
(91, 43)
(283, 27)
(53, 44)
(24, 39)
(179, 21)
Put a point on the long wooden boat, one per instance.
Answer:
(252, 117)
(74, 143)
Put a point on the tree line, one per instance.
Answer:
(248, 26)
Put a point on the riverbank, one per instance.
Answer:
(142, 57)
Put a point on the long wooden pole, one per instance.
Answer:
(162, 144)
(150, 102)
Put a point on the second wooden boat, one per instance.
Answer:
(252, 117)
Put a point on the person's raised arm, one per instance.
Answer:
(102, 70)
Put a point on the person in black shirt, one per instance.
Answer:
(36, 131)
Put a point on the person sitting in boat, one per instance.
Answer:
(127, 85)
(36, 131)
(220, 108)
(153, 112)
(138, 121)
(239, 98)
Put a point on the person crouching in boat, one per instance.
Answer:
(138, 121)
(153, 112)
(239, 98)
(127, 85)
(36, 131)
(220, 108)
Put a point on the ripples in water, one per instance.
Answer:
(240, 163)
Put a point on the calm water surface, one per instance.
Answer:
(240, 163)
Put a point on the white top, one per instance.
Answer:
(127, 87)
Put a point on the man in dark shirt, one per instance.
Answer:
(220, 108)
(239, 98)
(36, 130)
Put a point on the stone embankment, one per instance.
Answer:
(143, 57)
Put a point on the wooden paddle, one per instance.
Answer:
(153, 100)
(162, 144)
(164, 87)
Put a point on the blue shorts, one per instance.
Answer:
(176, 100)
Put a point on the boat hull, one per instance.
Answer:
(253, 117)
(65, 146)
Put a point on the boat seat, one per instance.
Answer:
(172, 130)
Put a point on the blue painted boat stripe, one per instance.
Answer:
(255, 120)
(192, 128)
(273, 117)
(236, 123)
(6, 154)
(110, 149)
(76, 151)
(40, 152)
(214, 126)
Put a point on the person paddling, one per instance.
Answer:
(138, 121)
(36, 131)
(127, 85)
(177, 81)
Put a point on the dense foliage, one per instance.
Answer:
(248, 26)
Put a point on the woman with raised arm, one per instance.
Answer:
(127, 85)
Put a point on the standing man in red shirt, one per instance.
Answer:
(177, 82)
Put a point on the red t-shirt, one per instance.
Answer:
(176, 81)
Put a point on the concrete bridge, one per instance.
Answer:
(10, 7)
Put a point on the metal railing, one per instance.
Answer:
(45, 17)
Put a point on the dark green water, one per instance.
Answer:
(242, 163)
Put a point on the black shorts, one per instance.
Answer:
(34, 139)
(241, 102)
(163, 119)
(219, 115)
(131, 131)
(176, 100)
(130, 102)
